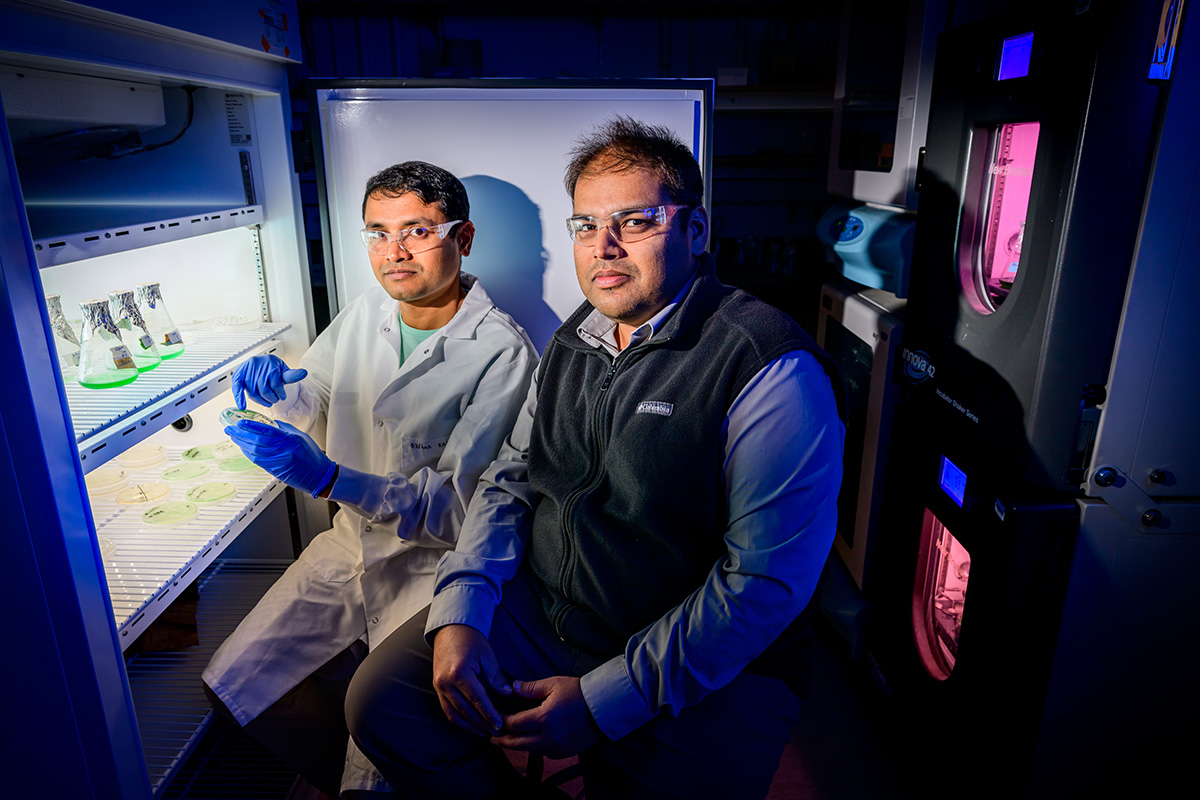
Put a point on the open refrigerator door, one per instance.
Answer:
(135, 152)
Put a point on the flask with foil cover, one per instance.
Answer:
(66, 343)
(158, 320)
(134, 332)
(104, 360)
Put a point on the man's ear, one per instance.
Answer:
(698, 230)
(464, 237)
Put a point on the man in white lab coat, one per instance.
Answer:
(411, 389)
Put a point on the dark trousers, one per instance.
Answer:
(728, 745)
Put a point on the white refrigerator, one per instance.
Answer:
(136, 150)
(152, 143)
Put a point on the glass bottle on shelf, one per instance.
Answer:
(66, 343)
(158, 320)
(104, 359)
(134, 332)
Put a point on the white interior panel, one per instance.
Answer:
(201, 278)
(510, 148)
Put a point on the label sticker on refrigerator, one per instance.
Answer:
(275, 26)
(237, 115)
(121, 357)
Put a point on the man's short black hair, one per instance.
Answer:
(625, 143)
(430, 183)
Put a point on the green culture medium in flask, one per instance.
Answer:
(158, 320)
(134, 332)
(104, 360)
(66, 343)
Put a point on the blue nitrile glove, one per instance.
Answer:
(286, 452)
(263, 378)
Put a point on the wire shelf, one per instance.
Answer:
(172, 711)
(153, 563)
(109, 421)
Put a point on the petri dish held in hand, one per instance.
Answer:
(232, 415)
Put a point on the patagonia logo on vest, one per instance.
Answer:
(654, 407)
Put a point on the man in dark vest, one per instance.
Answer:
(630, 566)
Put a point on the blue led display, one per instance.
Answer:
(1014, 57)
(953, 481)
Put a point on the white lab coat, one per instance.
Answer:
(420, 435)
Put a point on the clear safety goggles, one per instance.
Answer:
(411, 240)
(625, 226)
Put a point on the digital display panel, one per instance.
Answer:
(953, 481)
(1014, 57)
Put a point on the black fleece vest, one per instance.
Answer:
(627, 458)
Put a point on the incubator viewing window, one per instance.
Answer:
(996, 210)
(939, 595)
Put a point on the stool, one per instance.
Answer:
(535, 767)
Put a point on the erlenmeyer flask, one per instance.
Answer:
(104, 359)
(134, 332)
(66, 343)
(158, 320)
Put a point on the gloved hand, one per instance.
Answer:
(286, 452)
(263, 378)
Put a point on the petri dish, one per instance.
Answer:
(232, 415)
(236, 464)
(172, 512)
(203, 452)
(142, 493)
(142, 455)
(237, 322)
(193, 323)
(106, 479)
(107, 546)
(211, 492)
(226, 450)
(187, 471)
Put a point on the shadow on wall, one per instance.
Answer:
(507, 255)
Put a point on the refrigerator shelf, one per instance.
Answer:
(151, 563)
(172, 711)
(118, 236)
(109, 421)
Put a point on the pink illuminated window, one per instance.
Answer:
(939, 594)
(990, 252)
